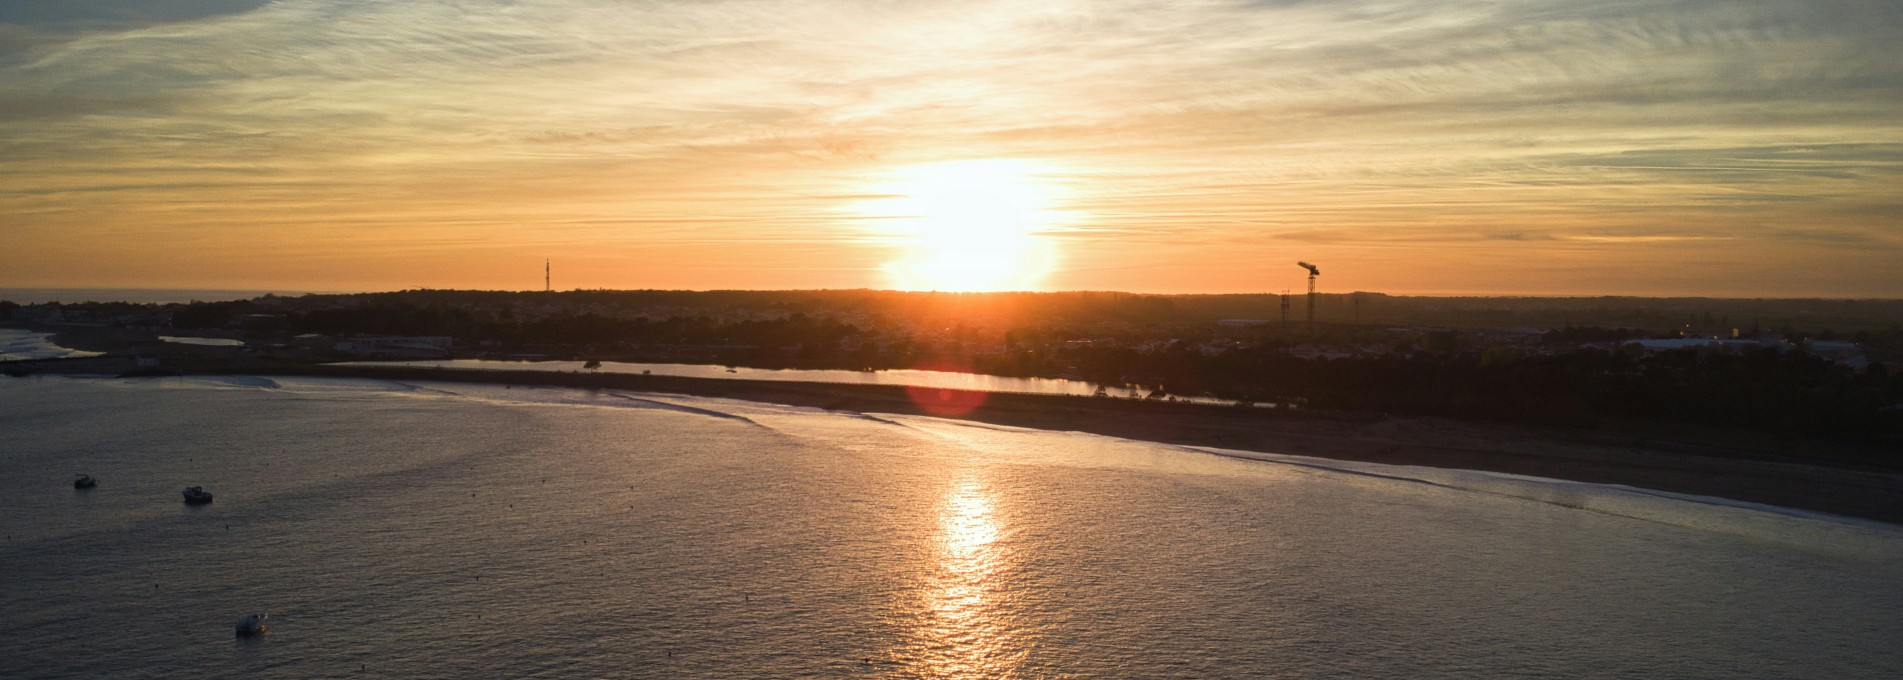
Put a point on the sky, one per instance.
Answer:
(1554, 147)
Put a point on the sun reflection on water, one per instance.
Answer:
(968, 632)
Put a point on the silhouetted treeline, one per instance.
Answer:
(1005, 310)
(1763, 389)
(1527, 370)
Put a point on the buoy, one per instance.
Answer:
(252, 624)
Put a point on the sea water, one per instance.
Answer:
(455, 530)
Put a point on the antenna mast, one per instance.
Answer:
(1284, 311)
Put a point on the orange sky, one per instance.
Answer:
(1670, 147)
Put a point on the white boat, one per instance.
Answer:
(197, 495)
(252, 624)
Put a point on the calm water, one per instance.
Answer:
(476, 531)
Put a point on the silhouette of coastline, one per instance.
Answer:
(1806, 474)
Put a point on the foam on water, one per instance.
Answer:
(22, 345)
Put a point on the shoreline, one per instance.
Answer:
(1722, 468)
(1833, 477)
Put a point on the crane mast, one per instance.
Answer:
(1313, 272)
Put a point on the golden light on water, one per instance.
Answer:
(971, 226)
(968, 631)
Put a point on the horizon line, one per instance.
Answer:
(286, 292)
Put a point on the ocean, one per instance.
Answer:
(455, 530)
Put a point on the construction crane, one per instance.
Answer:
(1313, 271)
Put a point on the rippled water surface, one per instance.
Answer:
(951, 380)
(428, 530)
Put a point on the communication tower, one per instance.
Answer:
(1285, 311)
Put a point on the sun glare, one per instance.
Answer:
(967, 226)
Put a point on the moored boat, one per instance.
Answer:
(197, 495)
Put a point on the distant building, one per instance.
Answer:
(259, 322)
(44, 313)
(422, 347)
(1671, 344)
(1839, 351)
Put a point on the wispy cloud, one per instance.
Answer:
(1512, 128)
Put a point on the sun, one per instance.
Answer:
(968, 225)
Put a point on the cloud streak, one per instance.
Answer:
(573, 125)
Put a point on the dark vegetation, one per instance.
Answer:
(1767, 389)
(1554, 361)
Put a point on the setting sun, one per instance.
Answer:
(967, 226)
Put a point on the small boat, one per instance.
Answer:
(197, 495)
(84, 481)
(252, 624)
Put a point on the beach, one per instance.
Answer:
(1807, 473)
